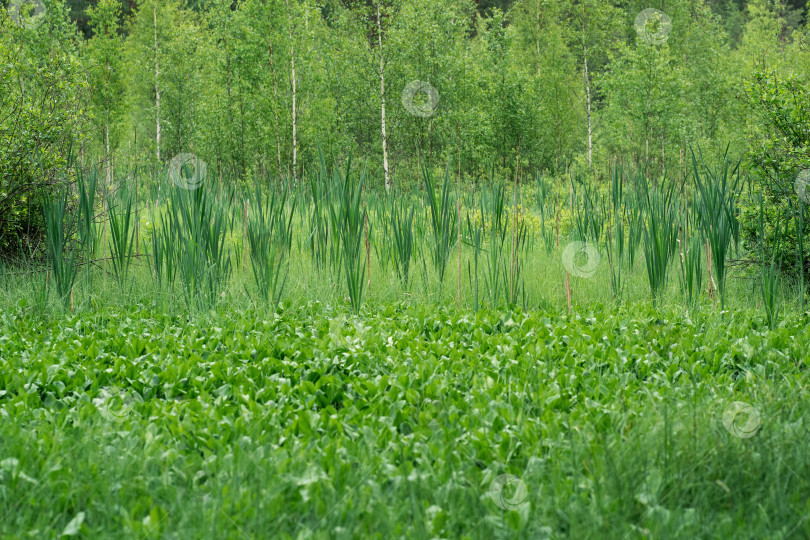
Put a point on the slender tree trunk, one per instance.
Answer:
(275, 110)
(537, 41)
(294, 120)
(107, 148)
(382, 101)
(137, 219)
(458, 214)
(663, 153)
(587, 89)
(514, 228)
(157, 86)
(230, 101)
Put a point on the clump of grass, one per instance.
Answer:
(122, 235)
(87, 224)
(199, 223)
(347, 219)
(660, 236)
(269, 233)
(717, 213)
(402, 235)
(443, 216)
(61, 259)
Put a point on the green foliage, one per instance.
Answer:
(41, 89)
(61, 256)
(182, 417)
(660, 235)
(782, 148)
(717, 213)
(443, 216)
(269, 235)
(122, 234)
(199, 223)
(347, 213)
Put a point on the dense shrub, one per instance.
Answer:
(41, 114)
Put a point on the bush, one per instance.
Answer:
(40, 100)
(779, 152)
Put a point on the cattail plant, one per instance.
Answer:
(87, 224)
(200, 222)
(717, 213)
(402, 236)
(691, 263)
(61, 259)
(501, 272)
(769, 282)
(347, 219)
(443, 217)
(268, 235)
(494, 216)
(382, 210)
(160, 257)
(660, 235)
(475, 234)
(543, 195)
(122, 235)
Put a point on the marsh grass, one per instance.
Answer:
(443, 216)
(718, 189)
(660, 235)
(347, 215)
(61, 255)
(194, 235)
(122, 234)
(269, 237)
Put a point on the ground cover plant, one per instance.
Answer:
(403, 269)
(399, 421)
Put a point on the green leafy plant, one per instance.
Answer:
(199, 224)
(717, 213)
(269, 230)
(402, 234)
(660, 236)
(347, 218)
(443, 216)
(61, 258)
(122, 235)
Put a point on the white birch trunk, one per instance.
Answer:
(382, 101)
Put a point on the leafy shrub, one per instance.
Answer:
(40, 100)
